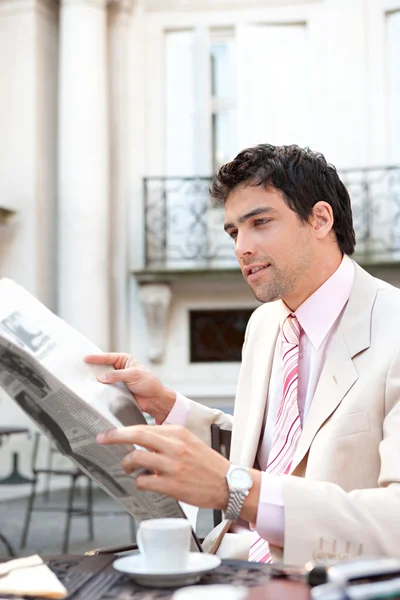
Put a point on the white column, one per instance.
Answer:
(83, 195)
(120, 32)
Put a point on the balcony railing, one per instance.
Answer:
(183, 231)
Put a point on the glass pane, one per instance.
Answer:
(223, 135)
(179, 138)
(274, 85)
(222, 70)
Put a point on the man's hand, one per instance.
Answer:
(185, 468)
(150, 394)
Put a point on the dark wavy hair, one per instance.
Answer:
(304, 177)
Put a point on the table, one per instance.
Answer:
(9, 430)
(93, 578)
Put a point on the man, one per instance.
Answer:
(317, 406)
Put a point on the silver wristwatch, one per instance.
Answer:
(240, 481)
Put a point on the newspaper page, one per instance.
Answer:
(42, 369)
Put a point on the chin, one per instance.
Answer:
(266, 300)
(266, 295)
(263, 297)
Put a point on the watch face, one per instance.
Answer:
(240, 479)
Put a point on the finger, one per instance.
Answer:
(163, 434)
(148, 460)
(107, 358)
(172, 431)
(152, 483)
(142, 435)
(162, 484)
(121, 375)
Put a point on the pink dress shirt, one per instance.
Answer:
(319, 317)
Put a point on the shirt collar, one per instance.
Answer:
(319, 312)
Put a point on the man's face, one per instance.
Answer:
(274, 248)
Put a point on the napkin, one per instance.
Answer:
(211, 592)
(30, 576)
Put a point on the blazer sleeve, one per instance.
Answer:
(200, 419)
(322, 521)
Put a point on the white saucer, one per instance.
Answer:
(198, 564)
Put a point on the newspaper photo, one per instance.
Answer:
(42, 369)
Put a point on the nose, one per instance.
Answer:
(244, 246)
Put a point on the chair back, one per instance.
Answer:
(42, 458)
(221, 443)
(221, 440)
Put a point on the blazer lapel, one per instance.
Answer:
(337, 377)
(263, 358)
(339, 373)
(252, 393)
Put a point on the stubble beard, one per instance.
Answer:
(281, 285)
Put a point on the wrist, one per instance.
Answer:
(163, 405)
(250, 505)
(223, 492)
(244, 489)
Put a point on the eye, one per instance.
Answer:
(258, 222)
(233, 234)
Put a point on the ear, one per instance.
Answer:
(322, 219)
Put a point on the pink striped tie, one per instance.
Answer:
(288, 426)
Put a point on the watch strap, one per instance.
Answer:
(235, 503)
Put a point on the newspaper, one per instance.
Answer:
(42, 369)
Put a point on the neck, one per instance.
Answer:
(312, 281)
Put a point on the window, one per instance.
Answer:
(199, 136)
(228, 88)
(200, 100)
(217, 335)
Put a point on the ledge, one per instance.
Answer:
(160, 275)
(171, 275)
(371, 261)
(6, 214)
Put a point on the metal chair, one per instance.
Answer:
(220, 442)
(8, 546)
(71, 511)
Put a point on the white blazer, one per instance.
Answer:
(343, 498)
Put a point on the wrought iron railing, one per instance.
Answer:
(183, 231)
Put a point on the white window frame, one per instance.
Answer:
(202, 23)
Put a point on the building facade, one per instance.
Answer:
(114, 116)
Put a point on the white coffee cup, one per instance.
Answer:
(164, 544)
